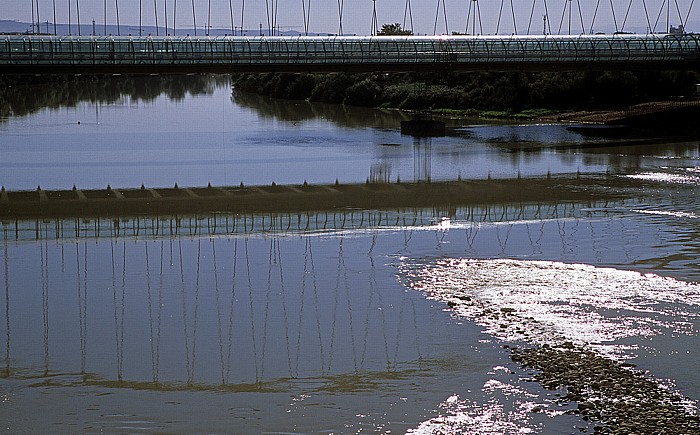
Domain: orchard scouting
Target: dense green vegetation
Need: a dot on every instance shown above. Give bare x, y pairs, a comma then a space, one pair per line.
515, 92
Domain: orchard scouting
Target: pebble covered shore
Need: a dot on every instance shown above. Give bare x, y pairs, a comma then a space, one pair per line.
613, 394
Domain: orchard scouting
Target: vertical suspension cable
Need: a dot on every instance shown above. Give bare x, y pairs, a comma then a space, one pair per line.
194, 18
140, 18
38, 18
77, 3
165, 16
116, 5
70, 20
55, 32
33, 18
242, 16
155, 14
230, 9
174, 17
209, 19
105, 17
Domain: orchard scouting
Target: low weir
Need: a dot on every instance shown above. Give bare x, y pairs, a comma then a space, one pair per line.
295, 198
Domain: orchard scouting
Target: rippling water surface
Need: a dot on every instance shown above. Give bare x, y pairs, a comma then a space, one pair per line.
358, 321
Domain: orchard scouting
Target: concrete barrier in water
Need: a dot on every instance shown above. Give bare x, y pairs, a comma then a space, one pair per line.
287, 198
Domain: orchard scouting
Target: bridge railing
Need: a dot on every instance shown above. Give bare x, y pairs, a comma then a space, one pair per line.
47, 51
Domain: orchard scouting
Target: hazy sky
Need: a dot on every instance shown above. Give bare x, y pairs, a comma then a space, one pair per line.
357, 14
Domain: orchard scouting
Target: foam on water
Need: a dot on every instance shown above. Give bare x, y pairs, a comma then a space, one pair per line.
551, 302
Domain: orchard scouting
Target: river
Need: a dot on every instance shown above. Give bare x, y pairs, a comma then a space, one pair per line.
339, 322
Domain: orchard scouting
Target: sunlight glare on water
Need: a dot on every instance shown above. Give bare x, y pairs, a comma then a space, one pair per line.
543, 301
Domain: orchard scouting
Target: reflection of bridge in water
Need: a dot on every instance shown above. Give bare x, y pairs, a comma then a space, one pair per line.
130, 54
228, 302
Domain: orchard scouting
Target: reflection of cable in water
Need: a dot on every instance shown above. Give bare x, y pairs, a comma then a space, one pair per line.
155, 335
230, 316
284, 305
118, 320
7, 308
346, 284
301, 310
45, 303
252, 316
217, 297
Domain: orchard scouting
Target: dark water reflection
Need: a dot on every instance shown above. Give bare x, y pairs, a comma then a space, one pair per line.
31, 95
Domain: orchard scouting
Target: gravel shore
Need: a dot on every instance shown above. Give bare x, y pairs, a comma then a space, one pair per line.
613, 394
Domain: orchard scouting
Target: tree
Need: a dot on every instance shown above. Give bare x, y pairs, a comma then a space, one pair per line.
393, 29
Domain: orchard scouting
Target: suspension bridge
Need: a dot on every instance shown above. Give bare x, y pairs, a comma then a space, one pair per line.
178, 55
514, 43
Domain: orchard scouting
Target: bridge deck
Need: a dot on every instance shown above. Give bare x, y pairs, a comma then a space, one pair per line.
127, 54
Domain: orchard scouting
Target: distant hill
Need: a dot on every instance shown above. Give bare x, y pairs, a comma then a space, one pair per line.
8, 26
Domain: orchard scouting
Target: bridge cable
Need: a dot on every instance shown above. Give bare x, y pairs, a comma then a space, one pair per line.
306, 11
116, 5
194, 18
375, 27
546, 18
77, 5
155, 14
54, 18
476, 11
580, 15
104, 10
242, 15
33, 18
658, 17
595, 13
689, 9
38, 18
140, 18
629, 6
500, 12
340, 17
512, 10
437, 14
174, 17
230, 9
680, 18
70, 21
208, 32
409, 11
165, 17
